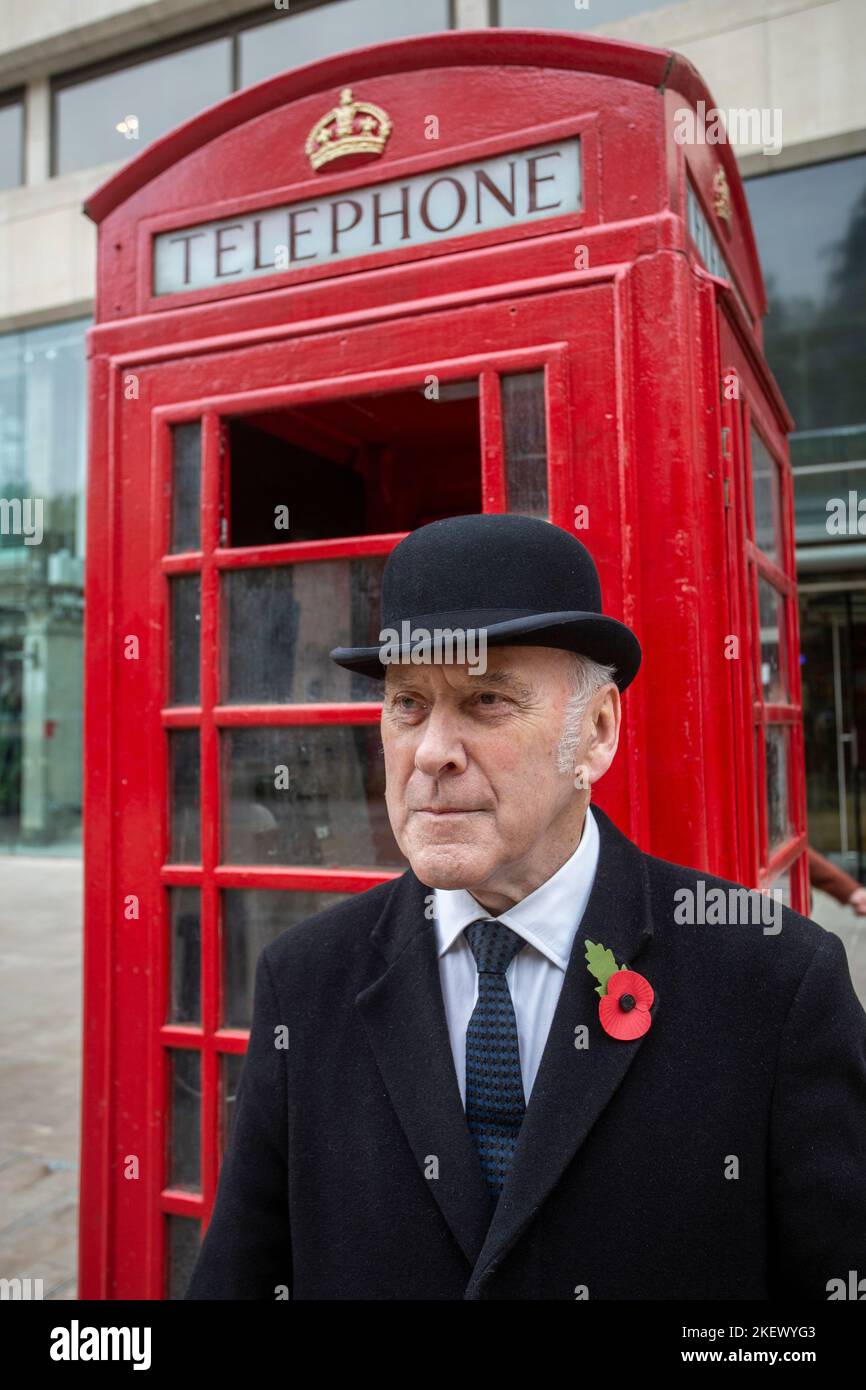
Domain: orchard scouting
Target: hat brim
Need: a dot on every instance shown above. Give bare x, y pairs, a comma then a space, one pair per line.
595, 635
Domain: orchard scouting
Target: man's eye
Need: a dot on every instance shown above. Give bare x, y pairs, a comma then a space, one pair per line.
491, 697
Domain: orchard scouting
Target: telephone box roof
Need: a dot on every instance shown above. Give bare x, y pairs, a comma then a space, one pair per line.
653, 67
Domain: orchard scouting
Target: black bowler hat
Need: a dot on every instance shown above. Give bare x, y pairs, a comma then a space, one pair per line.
523, 580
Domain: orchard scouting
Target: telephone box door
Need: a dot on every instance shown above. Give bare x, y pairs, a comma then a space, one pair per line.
767, 696
261, 490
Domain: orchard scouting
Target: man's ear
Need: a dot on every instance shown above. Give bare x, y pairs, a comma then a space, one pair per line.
606, 716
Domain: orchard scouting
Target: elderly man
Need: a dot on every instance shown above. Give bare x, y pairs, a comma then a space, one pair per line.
520, 1070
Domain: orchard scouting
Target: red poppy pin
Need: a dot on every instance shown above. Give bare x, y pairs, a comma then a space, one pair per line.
625, 996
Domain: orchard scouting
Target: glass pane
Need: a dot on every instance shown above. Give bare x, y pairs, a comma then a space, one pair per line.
765, 487
186, 485
708, 246
185, 961
778, 823
833, 644
182, 1239
280, 624
183, 1137
297, 39
815, 331
524, 435
43, 392
771, 605
306, 795
756, 780
252, 917
231, 1066
184, 796
354, 466
824, 508
568, 14
782, 885
11, 144
114, 116
185, 592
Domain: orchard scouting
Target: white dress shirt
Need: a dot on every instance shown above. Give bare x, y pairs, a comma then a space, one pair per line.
547, 920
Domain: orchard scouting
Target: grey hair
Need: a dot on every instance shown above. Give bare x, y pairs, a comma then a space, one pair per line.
587, 677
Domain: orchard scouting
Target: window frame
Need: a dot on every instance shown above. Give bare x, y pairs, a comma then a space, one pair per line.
216, 1040
787, 714
17, 96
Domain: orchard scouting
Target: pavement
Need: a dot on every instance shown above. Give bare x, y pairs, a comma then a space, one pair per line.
40, 1070
40, 1061
852, 930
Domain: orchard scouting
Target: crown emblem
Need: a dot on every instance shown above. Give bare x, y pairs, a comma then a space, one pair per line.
722, 196
354, 128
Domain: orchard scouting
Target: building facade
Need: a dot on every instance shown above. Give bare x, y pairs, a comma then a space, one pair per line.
84, 87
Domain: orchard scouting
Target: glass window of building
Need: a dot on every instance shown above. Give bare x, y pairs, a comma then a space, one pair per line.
815, 337
42, 475
815, 329
11, 141
301, 38
564, 14
113, 115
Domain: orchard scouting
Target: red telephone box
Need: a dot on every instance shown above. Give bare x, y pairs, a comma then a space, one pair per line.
471, 271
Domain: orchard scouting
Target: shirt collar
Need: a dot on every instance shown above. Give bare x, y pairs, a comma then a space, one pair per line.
547, 918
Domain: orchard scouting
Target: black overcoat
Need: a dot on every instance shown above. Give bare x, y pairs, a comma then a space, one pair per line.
720, 1156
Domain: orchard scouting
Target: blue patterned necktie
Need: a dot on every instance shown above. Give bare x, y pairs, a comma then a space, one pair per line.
495, 1104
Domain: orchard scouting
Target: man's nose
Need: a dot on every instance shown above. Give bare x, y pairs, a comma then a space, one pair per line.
441, 743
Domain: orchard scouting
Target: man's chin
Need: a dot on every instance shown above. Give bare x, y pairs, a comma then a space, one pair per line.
448, 866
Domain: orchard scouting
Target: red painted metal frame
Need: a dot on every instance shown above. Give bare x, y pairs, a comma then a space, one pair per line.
634, 348
759, 410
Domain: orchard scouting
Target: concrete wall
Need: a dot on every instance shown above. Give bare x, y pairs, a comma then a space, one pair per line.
797, 55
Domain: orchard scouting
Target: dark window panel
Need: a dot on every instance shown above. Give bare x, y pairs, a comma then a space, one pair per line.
11, 144
771, 607
332, 814
184, 796
184, 1140
280, 623
185, 590
288, 43
186, 486
765, 491
815, 328
564, 14
524, 434
253, 917
776, 740
185, 955
231, 1066
157, 94
182, 1240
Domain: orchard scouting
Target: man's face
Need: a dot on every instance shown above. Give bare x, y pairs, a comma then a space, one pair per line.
473, 792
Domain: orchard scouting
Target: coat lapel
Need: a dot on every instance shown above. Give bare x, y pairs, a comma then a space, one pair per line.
404, 1017
573, 1085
